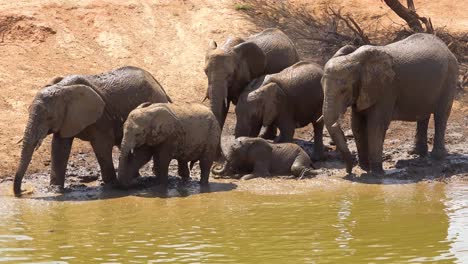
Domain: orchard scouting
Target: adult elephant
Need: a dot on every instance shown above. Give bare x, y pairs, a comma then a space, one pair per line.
232, 66
407, 80
89, 107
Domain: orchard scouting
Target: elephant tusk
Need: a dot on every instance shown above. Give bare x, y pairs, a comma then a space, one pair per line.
335, 125
225, 102
131, 151
320, 119
19, 141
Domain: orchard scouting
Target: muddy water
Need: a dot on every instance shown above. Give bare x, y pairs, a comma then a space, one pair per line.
263, 221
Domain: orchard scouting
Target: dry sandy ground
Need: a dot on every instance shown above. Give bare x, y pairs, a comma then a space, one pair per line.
41, 39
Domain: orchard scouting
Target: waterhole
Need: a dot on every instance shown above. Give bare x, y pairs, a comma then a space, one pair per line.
309, 222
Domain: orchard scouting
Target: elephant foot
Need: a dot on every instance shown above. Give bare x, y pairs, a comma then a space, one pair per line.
439, 154
307, 172
364, 166
317, 156
419, 150
376, 169
248, 177
58, 189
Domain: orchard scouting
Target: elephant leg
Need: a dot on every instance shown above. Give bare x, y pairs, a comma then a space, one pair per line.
440, 125
301, 167
269, 133
318, 141
102, 147
60, 153
141, 156
377, 124
163, 158
359, 127
183, 170
287, 128
205, 167
420, 140
261, 169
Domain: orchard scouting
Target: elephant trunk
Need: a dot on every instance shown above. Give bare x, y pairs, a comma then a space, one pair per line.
331, 116
123, 174
34, 133
218, 100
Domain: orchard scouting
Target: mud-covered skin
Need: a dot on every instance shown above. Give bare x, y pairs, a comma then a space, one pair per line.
185, 132
289, 99
407, 80
232, 66
89, 107
256, 157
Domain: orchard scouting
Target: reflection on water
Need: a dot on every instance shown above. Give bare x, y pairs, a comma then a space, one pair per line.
353, 223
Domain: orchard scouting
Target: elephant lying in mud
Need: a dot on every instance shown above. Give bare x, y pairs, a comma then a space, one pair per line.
289, 99
232, 66
186, 132
256, 157
89, 107
407, 80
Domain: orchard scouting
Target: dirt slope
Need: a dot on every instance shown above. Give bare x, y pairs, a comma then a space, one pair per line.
41, 39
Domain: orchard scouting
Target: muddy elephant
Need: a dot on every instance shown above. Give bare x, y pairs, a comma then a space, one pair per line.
185, 132
288, 100
255, 157
89, 107
407, 80
232, 66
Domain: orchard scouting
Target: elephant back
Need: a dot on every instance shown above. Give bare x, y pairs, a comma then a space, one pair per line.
278, 47
201, 131
127, 87
301, 83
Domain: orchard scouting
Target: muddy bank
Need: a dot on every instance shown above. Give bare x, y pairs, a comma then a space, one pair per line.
83, 181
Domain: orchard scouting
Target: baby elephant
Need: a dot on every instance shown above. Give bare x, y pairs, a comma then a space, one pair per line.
256, 157
289, 99
186, 132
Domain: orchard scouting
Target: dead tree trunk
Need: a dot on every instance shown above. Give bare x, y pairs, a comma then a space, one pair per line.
407, 14
410, 16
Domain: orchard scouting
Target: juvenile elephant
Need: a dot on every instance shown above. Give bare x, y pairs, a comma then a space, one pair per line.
289, 99
407, 80
256, 157
186, 132
90, 107
232, 66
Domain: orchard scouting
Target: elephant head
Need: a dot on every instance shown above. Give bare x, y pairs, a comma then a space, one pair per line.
238, 154
353, 78
62, 109
258, 108
148, 124
229, 70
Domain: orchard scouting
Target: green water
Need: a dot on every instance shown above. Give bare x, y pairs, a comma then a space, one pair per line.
341, 223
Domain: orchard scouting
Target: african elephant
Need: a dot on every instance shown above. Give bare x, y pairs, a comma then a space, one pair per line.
232, 66
407, 80
89, 107
186, 132
289, 99
256, 157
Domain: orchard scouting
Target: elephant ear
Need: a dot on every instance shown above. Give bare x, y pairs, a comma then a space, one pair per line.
376, 75
54, 80
83, 107
258, 149
253, 57
345, 50
268, 97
